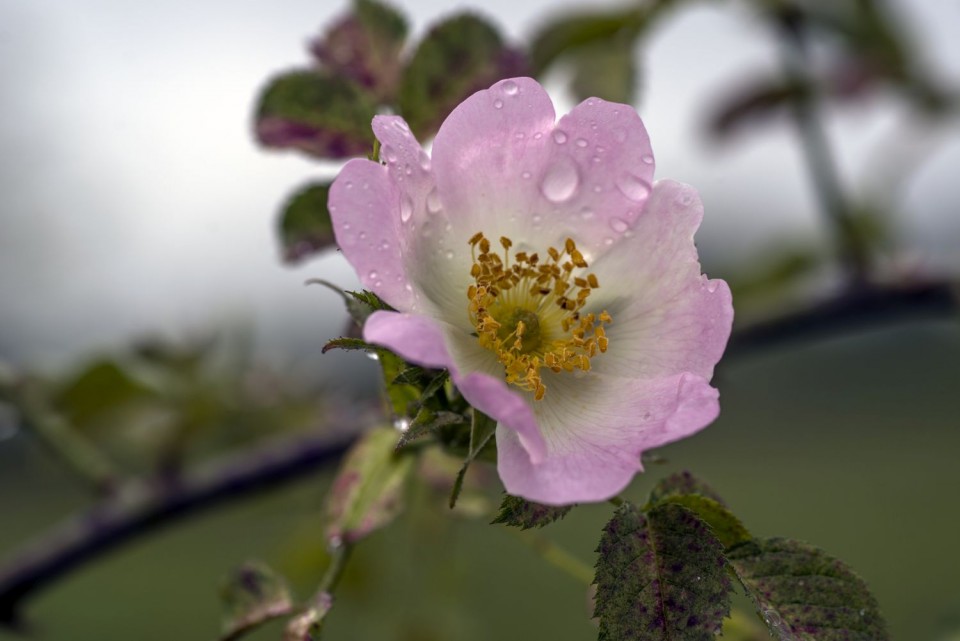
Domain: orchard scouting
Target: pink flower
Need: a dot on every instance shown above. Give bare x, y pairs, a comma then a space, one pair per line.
538, 262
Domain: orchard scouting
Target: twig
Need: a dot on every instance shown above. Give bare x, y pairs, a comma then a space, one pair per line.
854, 309
140, 507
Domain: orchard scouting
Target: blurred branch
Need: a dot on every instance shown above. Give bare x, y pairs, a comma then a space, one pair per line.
853, 309
139, 507
816, 148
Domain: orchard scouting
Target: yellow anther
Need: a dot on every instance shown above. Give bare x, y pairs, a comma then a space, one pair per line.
529, 314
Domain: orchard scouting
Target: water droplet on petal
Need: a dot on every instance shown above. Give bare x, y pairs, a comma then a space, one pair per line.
634, 188
647, 158
406, 209
561, 181
498, 104
597, 189
538, 135
607, 241
586, 213
712, 285
510, 88
401, 125
559, 137
596, 159
363, 235
373, 275
684, 199
526, 175
433, 201
582, 142
389, 153
424, 160
618, 225
449, 254
349, 185
384, 246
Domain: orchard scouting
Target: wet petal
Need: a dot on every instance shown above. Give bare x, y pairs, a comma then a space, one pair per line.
667, 317
596, 428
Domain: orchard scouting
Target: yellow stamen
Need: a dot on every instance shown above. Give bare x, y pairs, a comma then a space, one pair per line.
528, 313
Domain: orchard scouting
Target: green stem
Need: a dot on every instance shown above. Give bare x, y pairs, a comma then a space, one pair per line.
558, 557
816, 148
338, 562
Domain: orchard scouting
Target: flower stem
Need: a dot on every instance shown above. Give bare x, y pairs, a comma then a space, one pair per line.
816, 147
558, 557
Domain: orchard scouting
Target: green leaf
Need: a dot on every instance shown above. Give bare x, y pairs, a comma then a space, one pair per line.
359, 304
427, 421
367, 492
682, 483
456, 58
574, 31
804, 593
365, 46
253, 594
347, 343
101, 387
606, 70
305, 225
728, 529
660, 576
525, 514
482, 431
322, 115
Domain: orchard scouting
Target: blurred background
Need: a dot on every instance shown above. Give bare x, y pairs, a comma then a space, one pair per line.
138, 221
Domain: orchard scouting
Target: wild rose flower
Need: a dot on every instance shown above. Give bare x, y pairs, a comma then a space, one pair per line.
538, 262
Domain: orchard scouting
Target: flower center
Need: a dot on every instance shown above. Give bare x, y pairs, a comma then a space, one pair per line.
528, 312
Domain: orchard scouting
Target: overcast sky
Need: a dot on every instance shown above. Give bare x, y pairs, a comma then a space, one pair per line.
132, 198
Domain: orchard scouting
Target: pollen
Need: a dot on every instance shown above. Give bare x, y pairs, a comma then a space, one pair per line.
530, 312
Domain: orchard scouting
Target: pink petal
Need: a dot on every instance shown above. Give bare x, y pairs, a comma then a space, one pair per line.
596, 428
505, 168
423, 341
364, 204
408, 166
667, 317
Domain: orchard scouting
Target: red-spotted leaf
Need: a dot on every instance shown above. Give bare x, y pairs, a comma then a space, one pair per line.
456, 58
526, 514
317, 113
661, 576
368, 490
804, 594
365, 46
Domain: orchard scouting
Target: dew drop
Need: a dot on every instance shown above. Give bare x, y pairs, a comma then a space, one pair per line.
559, 137
401, 126
618, 225
346, 226
684, 200
634, 188
538, 135
519, 135
582, 142
596, 159
449, 254
510, 88
401, 424
373, 356
712, 285
498, 104
597, 189
537, 218
373, 275
384, 246
363, 235
647, 159
406, 209
433, 201
561, 181
600, 149
586, 213
607, 241
526, 175
349, 185
424, 160
389, 154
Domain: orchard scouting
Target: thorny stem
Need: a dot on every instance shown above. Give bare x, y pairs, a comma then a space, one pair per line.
557, 556
816, 147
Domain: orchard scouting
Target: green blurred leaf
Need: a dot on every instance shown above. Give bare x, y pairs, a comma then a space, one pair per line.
728, 529
574, 31
253, 594
772, 276
760, 101
455, 59
367, 493
605, 69
100, 388
305, 225
660, 576
803, 593
322, 115
365, 46
524, 514
682, 483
